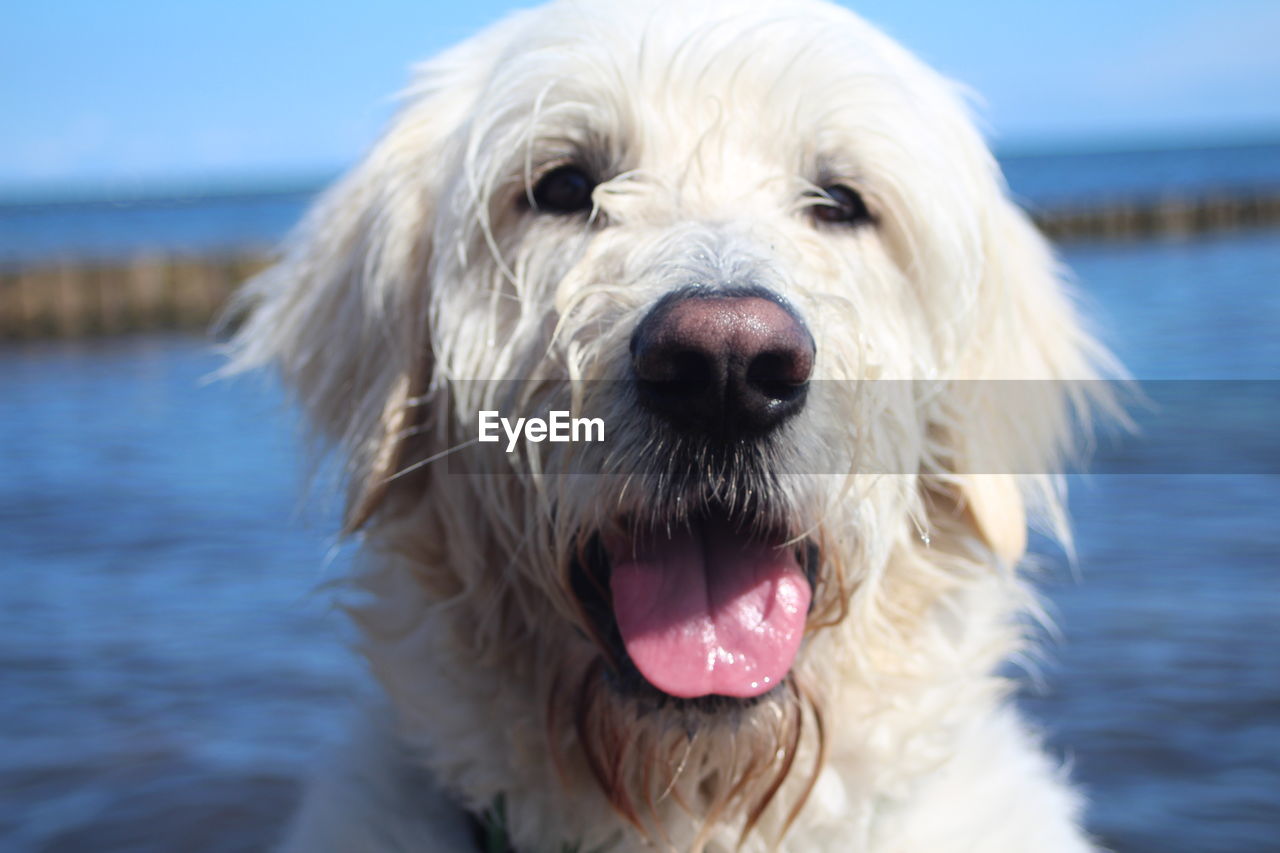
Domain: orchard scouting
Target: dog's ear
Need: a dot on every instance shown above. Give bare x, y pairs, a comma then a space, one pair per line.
344, 314
341, 316
1027, 387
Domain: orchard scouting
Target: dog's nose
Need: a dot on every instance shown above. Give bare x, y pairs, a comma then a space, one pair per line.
722, 364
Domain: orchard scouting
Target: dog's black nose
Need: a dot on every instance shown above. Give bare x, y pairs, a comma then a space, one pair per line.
723, 364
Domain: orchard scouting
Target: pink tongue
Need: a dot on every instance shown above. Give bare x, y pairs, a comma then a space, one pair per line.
708, 610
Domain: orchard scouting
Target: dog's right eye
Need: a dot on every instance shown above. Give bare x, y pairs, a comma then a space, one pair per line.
565, 189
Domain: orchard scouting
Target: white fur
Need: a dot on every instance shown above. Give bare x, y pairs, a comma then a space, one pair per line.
421, 271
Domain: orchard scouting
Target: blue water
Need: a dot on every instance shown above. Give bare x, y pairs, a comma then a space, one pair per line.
1049, 180
166, 665
1165, 691
37, 231
206, 221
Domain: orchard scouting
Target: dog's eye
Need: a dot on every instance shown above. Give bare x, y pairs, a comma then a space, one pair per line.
566, 189
841, 204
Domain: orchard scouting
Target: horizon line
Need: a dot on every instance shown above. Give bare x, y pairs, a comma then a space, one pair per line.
248, 184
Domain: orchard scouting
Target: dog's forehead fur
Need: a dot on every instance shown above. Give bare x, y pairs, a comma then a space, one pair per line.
785, 79
707, 111
710, 127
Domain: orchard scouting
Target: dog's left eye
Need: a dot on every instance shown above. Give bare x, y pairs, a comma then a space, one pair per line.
566, 189
841, 204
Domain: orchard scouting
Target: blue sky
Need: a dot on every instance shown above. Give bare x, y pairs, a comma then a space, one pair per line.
133, 93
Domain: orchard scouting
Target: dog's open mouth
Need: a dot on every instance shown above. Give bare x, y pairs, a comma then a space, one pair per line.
705, 607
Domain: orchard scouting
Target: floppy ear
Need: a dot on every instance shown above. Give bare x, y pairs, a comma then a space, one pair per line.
343, 314
340, 315
1025, 391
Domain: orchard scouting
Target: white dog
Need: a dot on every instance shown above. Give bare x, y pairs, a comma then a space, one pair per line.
768, 611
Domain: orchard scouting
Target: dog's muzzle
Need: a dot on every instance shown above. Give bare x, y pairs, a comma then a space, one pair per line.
722, 363
707, 596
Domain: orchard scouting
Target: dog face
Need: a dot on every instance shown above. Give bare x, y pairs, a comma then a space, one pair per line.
768, 249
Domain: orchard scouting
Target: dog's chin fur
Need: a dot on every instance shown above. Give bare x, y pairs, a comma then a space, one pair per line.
710, 127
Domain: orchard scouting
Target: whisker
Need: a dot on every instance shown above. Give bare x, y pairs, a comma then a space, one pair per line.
435, 457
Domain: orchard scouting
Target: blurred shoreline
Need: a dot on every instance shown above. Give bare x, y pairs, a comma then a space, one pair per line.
132, 259
150, 292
